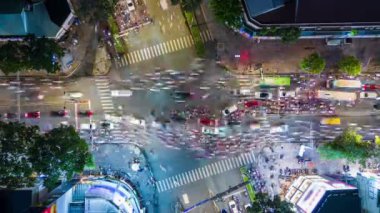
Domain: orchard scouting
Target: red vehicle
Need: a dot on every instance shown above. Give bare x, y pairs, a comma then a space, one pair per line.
253, 103
87, 113
36, 114
208, 121
370, 87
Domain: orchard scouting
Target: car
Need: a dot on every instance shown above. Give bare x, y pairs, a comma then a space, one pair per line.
278, 128
35, 114
106, 125
233, 207
181, 95
367, 87
60, 113
241, 92
229, 110
368, 95
263, 95
87, 113
377, 106
330, 121
252, 103
213, 131
73, 94
87, 126
253, 125
286, 94
208, 121
121, 93
10, 115
135, 121
131, 5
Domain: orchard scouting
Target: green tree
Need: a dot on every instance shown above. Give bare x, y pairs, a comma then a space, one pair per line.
16, 168
61, 151
25, 153
350, 146
32, 53
12, 57
228, 12
95, 10
190, 5
264, 204
313, 64
350, 65
290, 34
40, 54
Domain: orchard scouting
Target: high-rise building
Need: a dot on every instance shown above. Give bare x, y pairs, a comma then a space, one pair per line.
317, 194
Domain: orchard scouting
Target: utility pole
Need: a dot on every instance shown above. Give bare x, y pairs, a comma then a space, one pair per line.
18, 97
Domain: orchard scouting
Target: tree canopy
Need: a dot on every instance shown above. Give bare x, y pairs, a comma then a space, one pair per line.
16, 141
264, 204
288, 35
25, 151
313, 64
350, 65
95, 10
228, 12
350, 146
32, 53
190, 5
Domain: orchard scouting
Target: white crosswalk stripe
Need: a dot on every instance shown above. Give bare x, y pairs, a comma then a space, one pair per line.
204, 171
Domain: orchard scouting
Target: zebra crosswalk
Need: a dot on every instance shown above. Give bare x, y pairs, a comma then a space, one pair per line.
160, 49
104, 92
205, 171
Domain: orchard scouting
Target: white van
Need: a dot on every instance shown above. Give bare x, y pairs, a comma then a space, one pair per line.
121, 93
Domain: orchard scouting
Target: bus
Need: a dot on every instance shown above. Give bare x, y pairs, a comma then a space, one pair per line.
283, 81
336, 95
342, 83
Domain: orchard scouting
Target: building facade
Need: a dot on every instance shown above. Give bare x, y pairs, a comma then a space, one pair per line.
316, 18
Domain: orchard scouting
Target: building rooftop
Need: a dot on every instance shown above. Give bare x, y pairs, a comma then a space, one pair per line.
41, 19
319, 194
11, 6
317, 12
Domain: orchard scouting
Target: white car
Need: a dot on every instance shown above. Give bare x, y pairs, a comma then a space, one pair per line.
131, 5
136, 121
370, 95
286, 94
279, 129
230, 110
263, 95
89, 126
242, 92
220, 131
233, 206
73, 94
121, 93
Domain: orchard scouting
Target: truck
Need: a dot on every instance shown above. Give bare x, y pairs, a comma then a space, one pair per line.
336, 95
344, 83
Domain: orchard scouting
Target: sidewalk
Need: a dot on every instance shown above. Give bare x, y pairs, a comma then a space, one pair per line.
85, 36
118, 162
276, 57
